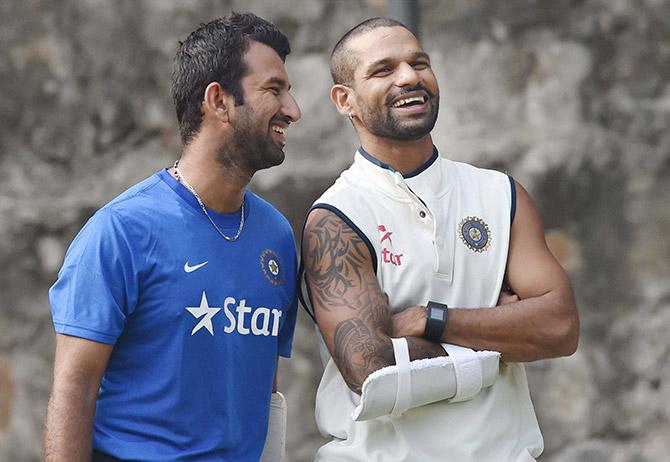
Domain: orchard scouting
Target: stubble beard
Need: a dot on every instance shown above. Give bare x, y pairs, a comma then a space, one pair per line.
250, 148
382, 123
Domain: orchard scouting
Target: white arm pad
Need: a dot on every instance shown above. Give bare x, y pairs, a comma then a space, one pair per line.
432, 380
275, 441
403, 396
468, 372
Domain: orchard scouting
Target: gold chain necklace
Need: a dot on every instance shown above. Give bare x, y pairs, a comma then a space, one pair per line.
181, 179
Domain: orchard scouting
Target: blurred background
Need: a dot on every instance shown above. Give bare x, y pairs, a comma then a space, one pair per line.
571, 97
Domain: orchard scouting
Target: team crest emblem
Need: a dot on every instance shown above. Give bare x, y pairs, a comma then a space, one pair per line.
270, 267
474, 233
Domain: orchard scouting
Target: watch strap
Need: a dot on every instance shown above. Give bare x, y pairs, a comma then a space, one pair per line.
436, 321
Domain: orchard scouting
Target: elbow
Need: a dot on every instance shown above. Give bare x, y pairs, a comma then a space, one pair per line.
564, 345
355, 369
570, 339
355, 385
354, 377
558, 332
566, 333
355, 381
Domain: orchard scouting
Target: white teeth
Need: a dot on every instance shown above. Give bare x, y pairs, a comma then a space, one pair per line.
413, 99
277, 129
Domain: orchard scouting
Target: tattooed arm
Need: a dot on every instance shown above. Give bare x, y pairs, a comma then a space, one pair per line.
350, 307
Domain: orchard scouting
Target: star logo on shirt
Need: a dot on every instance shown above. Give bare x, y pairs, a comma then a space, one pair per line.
205, 312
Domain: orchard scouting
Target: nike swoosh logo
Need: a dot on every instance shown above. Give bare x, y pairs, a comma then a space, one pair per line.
190, 269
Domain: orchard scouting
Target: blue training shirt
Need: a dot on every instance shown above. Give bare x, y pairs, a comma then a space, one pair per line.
196, 321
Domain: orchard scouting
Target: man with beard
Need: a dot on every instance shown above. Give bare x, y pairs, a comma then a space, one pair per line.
405, 259
176, 298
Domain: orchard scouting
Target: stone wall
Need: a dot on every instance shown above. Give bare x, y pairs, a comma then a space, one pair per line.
571, 97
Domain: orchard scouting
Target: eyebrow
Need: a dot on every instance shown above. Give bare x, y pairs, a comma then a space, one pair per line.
277, 81
413, 56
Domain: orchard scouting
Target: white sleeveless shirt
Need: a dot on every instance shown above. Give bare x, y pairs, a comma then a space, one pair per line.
441, 234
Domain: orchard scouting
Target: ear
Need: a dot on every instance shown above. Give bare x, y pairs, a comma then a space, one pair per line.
342, 97
217, 102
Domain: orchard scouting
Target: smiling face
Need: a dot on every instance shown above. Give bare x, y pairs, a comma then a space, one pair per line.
260, 124
395, 93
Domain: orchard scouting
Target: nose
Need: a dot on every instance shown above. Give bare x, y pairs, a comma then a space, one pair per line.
407, 75
290, 108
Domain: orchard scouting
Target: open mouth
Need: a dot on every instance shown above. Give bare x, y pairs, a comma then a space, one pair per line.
279, 134
409, 102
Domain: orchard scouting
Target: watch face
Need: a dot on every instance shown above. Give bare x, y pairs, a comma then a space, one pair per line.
436, 313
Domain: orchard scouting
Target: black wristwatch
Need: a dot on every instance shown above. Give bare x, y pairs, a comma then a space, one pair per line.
436, 321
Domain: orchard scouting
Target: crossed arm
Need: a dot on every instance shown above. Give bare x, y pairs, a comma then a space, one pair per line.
350, 307
352, 312
542, 324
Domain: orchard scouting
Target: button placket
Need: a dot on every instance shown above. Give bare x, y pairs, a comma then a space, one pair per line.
425, 216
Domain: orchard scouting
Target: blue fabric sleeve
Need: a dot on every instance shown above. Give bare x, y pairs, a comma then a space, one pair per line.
285, 340
97, 287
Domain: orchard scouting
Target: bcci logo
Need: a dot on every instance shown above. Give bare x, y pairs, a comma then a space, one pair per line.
474, 233
270, 267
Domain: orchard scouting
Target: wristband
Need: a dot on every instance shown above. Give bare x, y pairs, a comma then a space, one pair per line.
436, 321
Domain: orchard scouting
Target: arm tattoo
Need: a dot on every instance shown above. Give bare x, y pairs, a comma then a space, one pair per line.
334, 258
358, 352
340, 277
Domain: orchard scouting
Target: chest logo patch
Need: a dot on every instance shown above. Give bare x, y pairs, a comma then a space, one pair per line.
386, 235
388, 255
270, 267
475, 234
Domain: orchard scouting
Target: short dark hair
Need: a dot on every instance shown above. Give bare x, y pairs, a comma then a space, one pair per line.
214, 53
342, 61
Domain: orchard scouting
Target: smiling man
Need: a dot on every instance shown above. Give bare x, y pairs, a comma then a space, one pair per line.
176, 298
405, 259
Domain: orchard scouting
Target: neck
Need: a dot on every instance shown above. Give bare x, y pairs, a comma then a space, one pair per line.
404, 156
220, 188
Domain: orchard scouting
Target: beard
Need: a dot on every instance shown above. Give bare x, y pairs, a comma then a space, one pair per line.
382, 122
250, 148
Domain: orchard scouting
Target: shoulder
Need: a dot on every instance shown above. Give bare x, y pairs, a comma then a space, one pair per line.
468, 170
144, 206
349, 184
145, 194
484, 179
268, 214
125, 215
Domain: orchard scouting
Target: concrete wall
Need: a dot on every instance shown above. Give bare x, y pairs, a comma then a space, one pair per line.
571, 97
